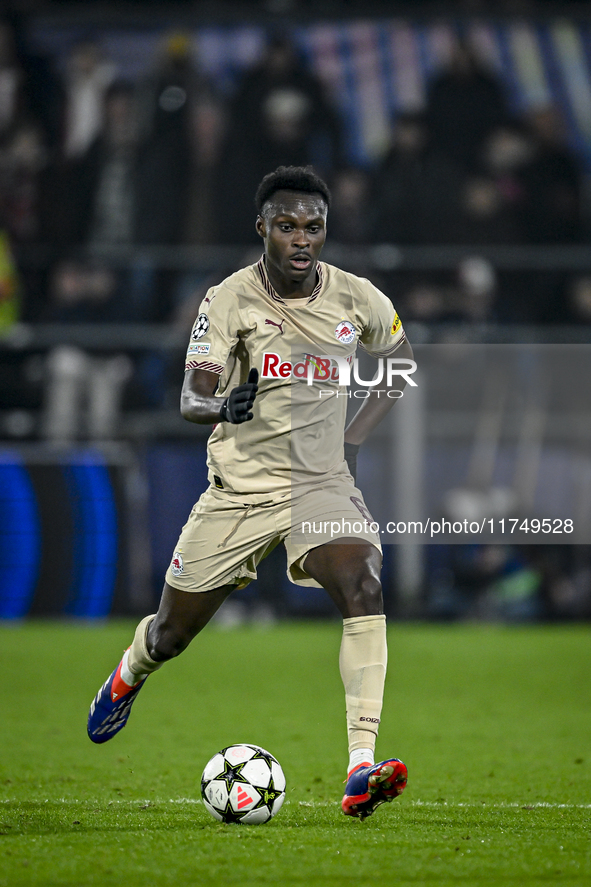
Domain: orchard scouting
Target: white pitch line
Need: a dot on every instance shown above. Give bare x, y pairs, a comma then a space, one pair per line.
152, 802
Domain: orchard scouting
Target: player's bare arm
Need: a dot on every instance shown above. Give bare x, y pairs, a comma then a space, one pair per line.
199, 404
375, 407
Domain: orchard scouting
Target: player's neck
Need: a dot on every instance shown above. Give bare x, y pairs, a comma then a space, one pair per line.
292, 289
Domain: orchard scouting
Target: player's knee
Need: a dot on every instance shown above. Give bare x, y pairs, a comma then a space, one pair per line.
365, 596
164, 642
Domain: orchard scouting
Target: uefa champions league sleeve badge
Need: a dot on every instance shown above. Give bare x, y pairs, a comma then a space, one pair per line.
201, 326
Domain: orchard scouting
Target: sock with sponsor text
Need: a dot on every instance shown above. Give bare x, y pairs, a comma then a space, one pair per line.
362, 661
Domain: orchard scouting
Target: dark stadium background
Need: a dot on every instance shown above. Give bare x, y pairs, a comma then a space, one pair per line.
132, 136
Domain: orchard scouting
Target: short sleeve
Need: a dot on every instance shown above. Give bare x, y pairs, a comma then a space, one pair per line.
383, 332
214, 333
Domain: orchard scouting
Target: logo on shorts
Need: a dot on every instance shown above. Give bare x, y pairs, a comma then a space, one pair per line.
201, 326
176, 565
345, 332
362, 508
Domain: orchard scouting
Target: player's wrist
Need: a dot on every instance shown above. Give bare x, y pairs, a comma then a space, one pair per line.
224, 411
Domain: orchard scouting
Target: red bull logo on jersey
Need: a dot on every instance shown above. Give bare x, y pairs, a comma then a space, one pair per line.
336, 368
312, 368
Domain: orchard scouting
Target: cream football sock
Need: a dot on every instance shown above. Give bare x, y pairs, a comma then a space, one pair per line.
363, 660
137, 662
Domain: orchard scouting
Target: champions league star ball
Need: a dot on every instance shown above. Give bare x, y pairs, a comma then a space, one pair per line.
243, 783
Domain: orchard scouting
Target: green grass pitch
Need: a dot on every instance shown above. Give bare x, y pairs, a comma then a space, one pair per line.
493, 722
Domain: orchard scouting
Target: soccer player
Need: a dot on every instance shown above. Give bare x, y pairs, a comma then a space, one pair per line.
263, 367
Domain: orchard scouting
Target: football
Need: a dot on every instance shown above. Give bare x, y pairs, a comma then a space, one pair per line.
243, 783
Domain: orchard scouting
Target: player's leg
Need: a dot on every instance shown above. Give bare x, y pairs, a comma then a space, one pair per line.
349, 570
218, 550
180, 617
350, 573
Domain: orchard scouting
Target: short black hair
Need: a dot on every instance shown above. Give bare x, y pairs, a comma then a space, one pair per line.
291, 178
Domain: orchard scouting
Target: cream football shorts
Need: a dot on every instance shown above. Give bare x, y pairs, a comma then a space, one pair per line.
228, 535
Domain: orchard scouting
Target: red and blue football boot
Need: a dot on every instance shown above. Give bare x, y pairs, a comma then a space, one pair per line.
111, 707
370, 785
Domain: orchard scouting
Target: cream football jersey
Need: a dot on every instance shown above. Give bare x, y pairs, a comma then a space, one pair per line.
297, 345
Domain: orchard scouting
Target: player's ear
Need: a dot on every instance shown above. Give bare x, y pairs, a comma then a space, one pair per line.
260, 226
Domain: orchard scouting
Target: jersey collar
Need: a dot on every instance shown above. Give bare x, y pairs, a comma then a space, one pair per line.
261, 265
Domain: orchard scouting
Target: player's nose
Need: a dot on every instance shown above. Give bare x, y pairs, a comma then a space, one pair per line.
300, 237
300, 245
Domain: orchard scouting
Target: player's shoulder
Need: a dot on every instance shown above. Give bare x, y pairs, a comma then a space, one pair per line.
361, 287
233, 288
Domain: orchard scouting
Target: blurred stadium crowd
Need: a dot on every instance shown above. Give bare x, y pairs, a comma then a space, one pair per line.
100, 170
90, 159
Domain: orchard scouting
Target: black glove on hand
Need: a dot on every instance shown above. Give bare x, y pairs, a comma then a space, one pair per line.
351, 451
236, 408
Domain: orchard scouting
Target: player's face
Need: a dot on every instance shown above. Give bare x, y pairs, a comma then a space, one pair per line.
293, 226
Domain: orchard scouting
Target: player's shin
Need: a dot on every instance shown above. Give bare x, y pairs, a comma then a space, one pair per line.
363, 660
138, 663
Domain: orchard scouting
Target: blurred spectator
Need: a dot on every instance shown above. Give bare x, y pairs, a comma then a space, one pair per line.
279, 116
572, 302
173, 87
420, 194
566, 571
349, 212
105, 177
174, 102
579, 300
9, 285
83, 392
489, 582
469, 295
478, 205
22, 148
484, 215
397, 187
477, 285
465, 102
91, 199
206, 128
23, 158
87, 77
12, 81
37, 90
81, 292
506, 151
552, 181
122, 192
